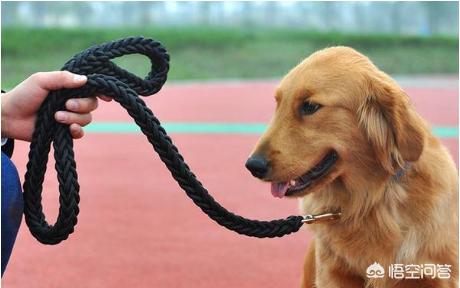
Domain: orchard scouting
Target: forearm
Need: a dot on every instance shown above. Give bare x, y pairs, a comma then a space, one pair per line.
5, 133
13, 125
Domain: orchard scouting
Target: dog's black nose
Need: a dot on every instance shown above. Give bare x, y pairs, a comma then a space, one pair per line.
258, 166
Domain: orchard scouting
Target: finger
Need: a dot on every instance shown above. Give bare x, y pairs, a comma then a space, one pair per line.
56, 80
105, 98
82, 105
66, 117
76, 131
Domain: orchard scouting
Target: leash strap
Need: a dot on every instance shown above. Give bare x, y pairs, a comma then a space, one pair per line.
105, 77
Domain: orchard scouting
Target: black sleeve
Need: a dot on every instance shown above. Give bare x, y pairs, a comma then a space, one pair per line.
8, 147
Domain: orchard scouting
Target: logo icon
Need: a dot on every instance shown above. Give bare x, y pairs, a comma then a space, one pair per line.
375, 270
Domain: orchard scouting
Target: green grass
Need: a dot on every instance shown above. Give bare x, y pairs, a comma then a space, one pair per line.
216, 53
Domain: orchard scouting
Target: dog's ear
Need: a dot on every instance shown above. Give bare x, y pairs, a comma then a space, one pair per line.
394, 130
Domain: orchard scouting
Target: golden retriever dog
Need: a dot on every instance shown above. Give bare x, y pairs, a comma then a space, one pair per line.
344, 137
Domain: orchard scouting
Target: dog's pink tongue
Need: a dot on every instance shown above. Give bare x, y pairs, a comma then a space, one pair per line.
279, 189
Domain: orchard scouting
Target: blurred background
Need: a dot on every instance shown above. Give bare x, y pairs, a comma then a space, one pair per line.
215, 40
136, 228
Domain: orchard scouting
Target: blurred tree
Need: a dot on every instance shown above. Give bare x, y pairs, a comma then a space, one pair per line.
205, 12
9, 12
83, 9
396, 17
145, 12
438, 13
433, 12
38, 12
369, 17
245, 17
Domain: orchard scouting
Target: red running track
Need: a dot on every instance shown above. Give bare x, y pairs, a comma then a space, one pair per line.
137, 228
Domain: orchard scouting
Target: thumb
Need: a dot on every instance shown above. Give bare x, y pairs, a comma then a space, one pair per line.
56, 80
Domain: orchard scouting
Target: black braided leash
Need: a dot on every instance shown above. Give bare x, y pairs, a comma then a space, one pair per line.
105, 77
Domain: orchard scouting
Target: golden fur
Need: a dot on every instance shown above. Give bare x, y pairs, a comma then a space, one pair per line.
367, 118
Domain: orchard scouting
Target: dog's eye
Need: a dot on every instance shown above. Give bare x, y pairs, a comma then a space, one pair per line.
308, 108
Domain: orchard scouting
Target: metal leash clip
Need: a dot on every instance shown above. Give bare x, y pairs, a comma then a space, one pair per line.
325, 217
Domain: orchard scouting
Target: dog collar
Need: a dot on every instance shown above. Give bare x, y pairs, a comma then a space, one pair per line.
402, 171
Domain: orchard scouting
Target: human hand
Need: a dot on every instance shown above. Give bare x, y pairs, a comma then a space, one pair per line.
20, 105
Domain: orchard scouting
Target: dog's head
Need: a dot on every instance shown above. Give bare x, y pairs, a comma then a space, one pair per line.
337, 116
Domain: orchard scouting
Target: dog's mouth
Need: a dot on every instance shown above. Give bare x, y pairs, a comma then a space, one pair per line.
298, 185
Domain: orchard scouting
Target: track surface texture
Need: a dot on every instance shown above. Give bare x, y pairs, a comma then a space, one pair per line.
137, 228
